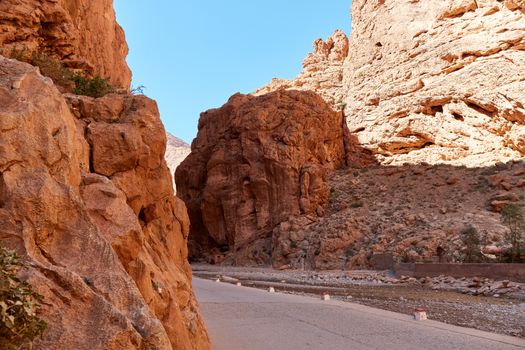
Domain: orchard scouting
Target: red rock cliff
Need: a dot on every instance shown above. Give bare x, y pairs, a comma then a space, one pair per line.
86, 197
255, 162
82, 34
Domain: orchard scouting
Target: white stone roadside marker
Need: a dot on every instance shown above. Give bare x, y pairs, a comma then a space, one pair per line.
271, 290
218, 280
420, 314
239, 284
326, 297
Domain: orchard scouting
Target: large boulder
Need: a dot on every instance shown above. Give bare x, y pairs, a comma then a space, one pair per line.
255, 162
86, 198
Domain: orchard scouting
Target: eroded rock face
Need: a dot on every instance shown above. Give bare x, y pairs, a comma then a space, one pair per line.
322, 71
82, 34
176, 151
86, 198
255, 162
439, 82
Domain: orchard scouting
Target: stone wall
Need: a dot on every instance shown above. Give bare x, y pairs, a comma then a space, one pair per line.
513, 272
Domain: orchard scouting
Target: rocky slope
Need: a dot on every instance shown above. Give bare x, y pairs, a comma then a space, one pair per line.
255, 162
432, 96
86, 196
176, 151
82, 34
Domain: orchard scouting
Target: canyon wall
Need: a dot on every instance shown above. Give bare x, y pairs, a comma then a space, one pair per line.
86, 196
82, 34
431, 92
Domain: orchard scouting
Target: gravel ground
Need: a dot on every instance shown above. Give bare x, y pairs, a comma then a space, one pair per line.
446, 299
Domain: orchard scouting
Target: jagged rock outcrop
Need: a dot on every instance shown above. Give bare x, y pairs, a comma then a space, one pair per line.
255, 162
439, 82
322, 71
82, 34
176, 151
86, 198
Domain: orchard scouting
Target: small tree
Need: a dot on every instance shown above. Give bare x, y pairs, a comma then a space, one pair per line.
512, 217
19, 305
471, 241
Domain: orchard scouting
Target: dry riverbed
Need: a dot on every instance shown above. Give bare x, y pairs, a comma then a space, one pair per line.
494, 306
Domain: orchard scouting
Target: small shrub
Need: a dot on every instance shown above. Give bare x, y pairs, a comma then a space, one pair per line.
356, 205
19, 306
139, 90
293, 245
94, 87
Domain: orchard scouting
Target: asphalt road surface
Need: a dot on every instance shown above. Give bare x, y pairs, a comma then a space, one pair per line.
242, 318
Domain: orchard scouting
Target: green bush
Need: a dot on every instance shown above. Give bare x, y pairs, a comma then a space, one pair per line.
19, 306
94, 87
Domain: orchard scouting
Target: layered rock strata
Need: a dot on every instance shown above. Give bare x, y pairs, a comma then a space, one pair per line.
86, 198
255, 162
439, 82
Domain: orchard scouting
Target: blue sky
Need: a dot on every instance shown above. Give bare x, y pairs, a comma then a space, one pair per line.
193, 55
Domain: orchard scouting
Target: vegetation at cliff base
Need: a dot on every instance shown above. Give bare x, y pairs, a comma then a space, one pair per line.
19, 306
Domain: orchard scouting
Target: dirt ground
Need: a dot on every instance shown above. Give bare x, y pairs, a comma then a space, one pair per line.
504, 314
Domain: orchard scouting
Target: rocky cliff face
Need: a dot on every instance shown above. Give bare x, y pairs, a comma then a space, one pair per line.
82, 34
255, 162
86, 198
432, 96
176, 151
437, 81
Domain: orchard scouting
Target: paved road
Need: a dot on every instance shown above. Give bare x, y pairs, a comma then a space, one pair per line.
242, 318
